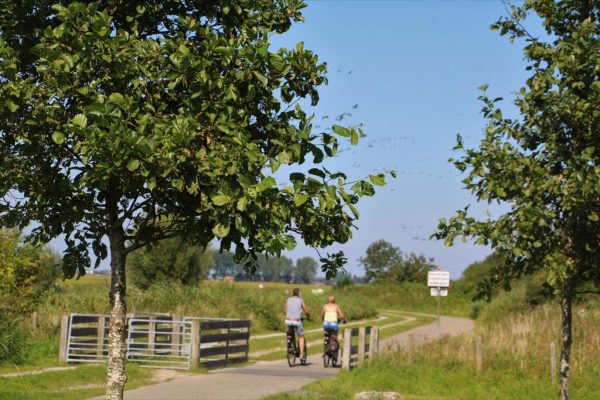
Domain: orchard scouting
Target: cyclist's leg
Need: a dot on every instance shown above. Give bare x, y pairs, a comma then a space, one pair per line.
300, 332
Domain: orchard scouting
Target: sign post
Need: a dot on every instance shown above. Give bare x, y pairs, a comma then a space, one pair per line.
438, 282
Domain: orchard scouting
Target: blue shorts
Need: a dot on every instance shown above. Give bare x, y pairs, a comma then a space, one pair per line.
330, 326
297, 324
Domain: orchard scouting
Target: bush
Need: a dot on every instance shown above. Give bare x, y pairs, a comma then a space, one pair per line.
14, 338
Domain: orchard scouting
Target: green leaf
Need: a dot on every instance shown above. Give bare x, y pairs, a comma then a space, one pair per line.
220, 230
300, 199
317, 172
132, 165
242, 203
340, 130
80, 120
221, 200
378, 180
117, 98
354, 211
12, 106
354, 137
251, 92
263, 79
58, 137
593, 217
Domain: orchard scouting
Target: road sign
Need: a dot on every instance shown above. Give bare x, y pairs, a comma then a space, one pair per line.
438, 279
441, 292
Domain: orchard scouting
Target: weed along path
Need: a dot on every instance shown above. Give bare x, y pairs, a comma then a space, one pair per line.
264, 378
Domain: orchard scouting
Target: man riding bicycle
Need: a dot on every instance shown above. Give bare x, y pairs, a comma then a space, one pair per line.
293, 317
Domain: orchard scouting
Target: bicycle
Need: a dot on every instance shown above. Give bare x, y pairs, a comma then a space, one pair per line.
331, 348
293, 347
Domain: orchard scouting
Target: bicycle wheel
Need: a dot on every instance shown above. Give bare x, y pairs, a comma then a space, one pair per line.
291, 353
303, 361
334, 361
326, 359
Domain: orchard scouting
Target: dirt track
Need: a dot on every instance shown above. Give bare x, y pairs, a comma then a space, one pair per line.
265, 378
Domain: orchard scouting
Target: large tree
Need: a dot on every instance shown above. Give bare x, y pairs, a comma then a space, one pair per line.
545, 164
128, 122
306, 269
381, 256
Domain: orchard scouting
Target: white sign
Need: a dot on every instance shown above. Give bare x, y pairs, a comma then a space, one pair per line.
438, 279
441, 292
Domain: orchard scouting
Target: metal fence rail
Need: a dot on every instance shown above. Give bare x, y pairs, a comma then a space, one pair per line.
159, 342
87, 339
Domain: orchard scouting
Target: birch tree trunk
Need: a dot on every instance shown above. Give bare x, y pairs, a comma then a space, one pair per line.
566, 340
117, 349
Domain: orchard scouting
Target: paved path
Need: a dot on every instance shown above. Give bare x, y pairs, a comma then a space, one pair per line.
265, 378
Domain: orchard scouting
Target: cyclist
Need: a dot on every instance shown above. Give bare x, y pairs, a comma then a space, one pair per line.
331, 314
293, 317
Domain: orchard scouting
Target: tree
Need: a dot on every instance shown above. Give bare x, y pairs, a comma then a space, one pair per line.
118, 114
545, 164
482, 277
385, 262
411, 268
306, 269
169, 260
381, 256
275, 269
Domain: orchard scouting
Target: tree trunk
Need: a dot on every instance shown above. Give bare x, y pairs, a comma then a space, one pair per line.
566, 340
117, 350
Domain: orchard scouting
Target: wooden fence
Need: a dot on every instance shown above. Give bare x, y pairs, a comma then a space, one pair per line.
158, 340
359, 345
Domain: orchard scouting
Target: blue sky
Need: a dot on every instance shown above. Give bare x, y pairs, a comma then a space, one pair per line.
414, 68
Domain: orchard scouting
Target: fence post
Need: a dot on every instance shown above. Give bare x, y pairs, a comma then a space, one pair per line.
195, 351
362, 338
100, 341
553, 363
64, 334
478, 355
410, 347
374, 342
175, 334
347, 349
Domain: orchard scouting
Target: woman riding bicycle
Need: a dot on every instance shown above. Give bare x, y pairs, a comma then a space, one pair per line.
331, 314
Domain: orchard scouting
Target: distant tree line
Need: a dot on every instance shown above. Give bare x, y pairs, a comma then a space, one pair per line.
177, 261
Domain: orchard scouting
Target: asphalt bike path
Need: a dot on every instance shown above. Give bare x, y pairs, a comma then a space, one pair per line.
264, 378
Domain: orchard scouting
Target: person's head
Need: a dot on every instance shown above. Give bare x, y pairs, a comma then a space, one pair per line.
296, 292
331, 299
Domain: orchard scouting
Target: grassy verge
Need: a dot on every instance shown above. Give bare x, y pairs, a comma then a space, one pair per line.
82, 382
516, 363
434, 380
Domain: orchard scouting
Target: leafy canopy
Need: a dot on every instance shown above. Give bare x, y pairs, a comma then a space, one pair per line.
116, 114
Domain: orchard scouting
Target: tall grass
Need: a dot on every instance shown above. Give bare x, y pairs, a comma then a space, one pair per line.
412, 296
516, 361
247, 300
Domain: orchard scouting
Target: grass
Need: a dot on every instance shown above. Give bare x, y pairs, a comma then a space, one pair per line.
516, 361
246, 300
82, 382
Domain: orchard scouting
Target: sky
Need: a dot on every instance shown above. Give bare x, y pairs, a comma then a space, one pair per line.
409, 72
414, 69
